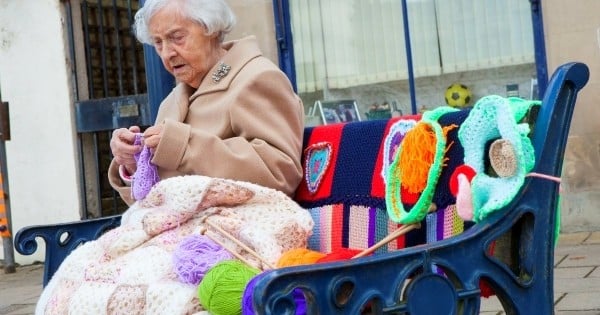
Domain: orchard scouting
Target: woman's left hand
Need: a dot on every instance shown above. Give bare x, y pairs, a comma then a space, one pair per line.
152, 136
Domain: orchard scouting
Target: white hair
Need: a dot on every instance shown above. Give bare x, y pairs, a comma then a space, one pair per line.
215, 15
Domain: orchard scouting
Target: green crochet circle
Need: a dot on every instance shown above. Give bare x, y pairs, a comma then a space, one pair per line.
393, 196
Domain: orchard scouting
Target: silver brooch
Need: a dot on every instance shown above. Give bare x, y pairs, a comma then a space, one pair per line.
221, 72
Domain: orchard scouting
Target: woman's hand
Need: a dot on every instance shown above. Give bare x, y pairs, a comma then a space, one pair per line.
152, 136
123, 149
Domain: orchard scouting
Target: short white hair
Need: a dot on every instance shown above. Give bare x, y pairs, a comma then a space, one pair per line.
215, 15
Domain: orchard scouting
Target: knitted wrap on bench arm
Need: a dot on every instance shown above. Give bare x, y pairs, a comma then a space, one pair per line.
494, 117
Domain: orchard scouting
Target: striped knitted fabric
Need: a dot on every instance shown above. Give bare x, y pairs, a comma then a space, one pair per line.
443, 224
362, 228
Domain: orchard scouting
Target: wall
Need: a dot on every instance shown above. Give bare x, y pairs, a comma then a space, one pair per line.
255, 17
41, 155
572, 30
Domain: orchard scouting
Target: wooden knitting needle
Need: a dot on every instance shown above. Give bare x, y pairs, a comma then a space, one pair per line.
403, 230
207, 233
238, 242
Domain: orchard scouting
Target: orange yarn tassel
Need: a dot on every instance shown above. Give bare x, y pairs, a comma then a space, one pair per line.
418, 151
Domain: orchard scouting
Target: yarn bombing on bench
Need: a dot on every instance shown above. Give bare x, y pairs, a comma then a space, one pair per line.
146, 174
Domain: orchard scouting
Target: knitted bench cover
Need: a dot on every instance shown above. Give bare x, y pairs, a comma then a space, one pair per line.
347, 173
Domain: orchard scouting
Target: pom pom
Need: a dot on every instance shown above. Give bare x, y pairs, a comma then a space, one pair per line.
220, 291
195, 255
248, 309
299, 256
464, 169
340, 254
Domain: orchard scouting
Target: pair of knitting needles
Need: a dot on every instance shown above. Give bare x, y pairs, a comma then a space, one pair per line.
204, 231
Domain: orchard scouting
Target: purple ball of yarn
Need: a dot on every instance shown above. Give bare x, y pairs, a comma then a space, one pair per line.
248, 309
195, 255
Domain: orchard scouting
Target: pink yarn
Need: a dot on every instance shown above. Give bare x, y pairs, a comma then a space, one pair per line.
464, 201
146, 174
195, 255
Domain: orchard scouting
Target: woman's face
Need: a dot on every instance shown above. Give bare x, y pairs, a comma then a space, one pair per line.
183, 46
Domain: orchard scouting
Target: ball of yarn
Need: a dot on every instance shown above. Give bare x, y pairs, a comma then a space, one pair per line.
195, 255
298, 256
248, 309
221, 290
340, 254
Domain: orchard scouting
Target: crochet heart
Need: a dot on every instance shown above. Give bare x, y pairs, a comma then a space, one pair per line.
318, 156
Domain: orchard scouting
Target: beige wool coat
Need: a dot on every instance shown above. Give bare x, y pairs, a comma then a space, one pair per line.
248, 126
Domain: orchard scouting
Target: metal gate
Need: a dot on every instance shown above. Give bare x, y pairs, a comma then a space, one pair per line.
107, 68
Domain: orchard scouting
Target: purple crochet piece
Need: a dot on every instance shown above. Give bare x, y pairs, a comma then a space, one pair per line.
146, 174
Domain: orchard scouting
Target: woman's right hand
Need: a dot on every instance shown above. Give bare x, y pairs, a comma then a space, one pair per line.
123, 149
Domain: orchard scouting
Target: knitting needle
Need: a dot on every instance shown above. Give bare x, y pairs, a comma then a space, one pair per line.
239, 243
403, 230
207, 233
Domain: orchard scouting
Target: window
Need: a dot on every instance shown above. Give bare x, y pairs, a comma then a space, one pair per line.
345, 43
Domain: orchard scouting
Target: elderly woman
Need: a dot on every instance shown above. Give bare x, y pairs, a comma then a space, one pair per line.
233, 113
233, 126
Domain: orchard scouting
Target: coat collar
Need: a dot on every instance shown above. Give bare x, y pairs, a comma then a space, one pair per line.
239, 53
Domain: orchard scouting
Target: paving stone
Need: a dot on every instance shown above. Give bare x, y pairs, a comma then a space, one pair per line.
578, 286
491, 305
580, 302
594, 238
595, 273
21, 309
579, 256
571, 273
567, 239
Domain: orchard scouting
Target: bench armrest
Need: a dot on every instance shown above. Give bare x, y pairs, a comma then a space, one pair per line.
61, 239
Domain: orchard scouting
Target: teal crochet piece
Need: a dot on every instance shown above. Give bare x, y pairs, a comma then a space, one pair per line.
495, 117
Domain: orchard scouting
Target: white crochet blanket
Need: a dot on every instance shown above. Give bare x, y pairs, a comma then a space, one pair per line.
129, 270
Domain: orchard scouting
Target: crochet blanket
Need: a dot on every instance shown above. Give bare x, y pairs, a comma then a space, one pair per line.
129, 270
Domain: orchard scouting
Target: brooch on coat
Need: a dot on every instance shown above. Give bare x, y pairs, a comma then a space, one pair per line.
221, 72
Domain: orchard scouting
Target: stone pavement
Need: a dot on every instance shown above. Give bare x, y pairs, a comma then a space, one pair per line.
576, 281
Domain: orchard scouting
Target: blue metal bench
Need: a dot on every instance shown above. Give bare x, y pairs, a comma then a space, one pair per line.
436, 278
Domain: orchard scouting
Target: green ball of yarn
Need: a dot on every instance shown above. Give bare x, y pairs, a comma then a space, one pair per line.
222, 288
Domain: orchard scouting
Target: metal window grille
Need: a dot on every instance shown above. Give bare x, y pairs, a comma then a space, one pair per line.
109, 86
